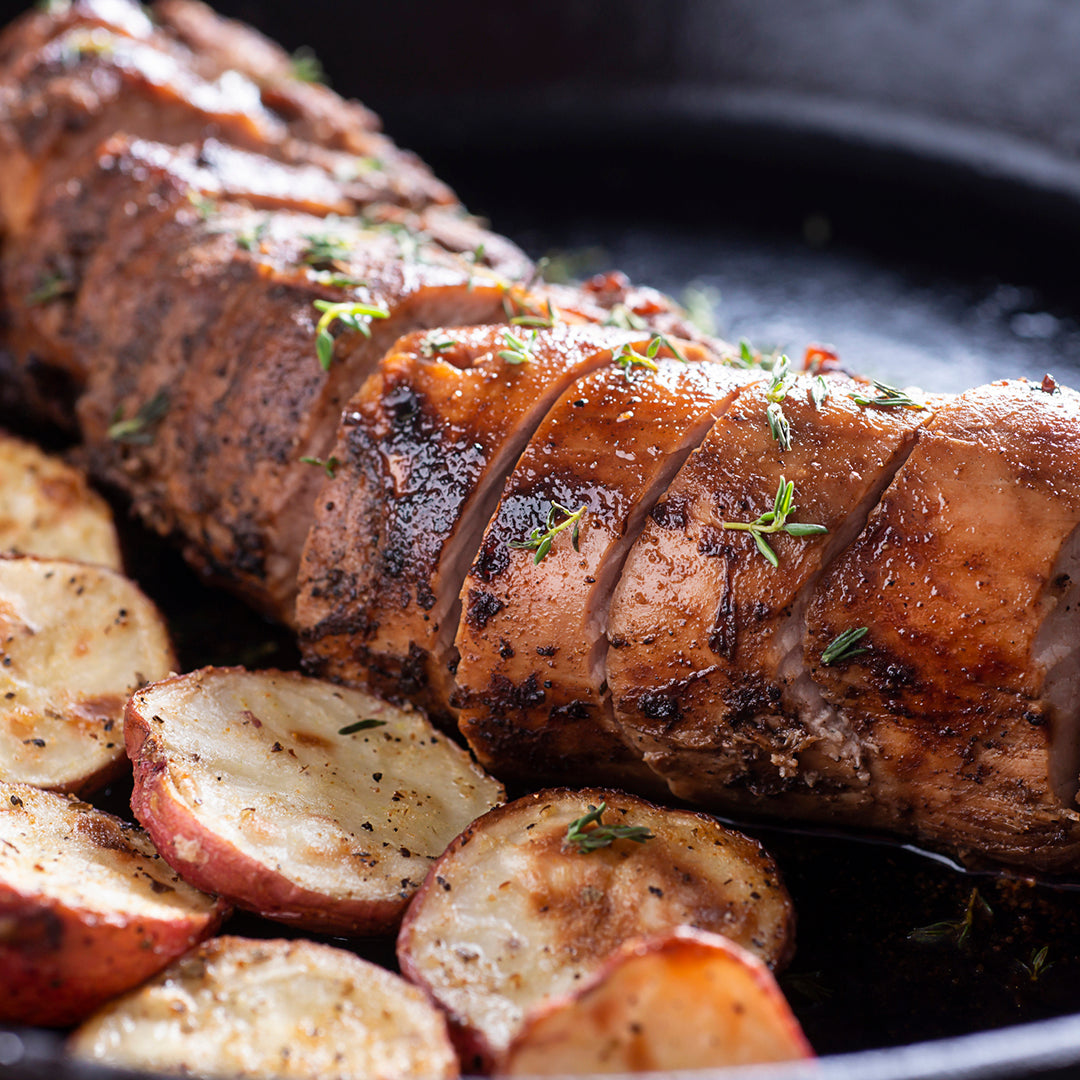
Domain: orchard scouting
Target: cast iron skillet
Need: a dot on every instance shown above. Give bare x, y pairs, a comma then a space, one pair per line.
896, 178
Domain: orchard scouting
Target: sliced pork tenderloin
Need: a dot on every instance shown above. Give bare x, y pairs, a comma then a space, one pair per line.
422, 456
703, 626
966, 577
531, 678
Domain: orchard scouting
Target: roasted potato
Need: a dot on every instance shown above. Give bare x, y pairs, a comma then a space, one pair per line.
87, 908
689, 1000
233, 1007
518, 910
75, 640
295, 798
48, 509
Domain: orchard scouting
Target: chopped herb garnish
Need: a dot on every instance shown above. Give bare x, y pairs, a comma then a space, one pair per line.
306, 66
842, 647
589, 833
251, 239
352, 315
476, 256
819, 391
701, 302
1037, 966
622, 317
540, 540
205, 207
544, 322
50, 288
434, 343
775, 520
360, 725
775, 393
517, 351
323, 251
329, 464
887, 397
627, 359
139, 428
955, 930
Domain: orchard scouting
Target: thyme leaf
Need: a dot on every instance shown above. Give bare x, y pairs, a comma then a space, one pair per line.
352, 315
842, 647
360, 725
625, 319
887, 397
819, 391
517, 351
306, 66
543, 322
588, 833
434, 343
323, 251
50, 287
540, 540
139, 428
1037, 966
329, 464
776, 520
775, 393
957, 930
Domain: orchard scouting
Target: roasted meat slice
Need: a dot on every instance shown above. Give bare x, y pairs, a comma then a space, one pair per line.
423, 453
963, 708
531, 683
705, 632
86, 84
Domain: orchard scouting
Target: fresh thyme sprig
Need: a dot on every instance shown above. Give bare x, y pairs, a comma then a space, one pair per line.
819, 391
842, 647
588, 833
517, 351
776, 520
1037, 965
324, 251
540, 540
50, 288
434, 343
360, 725
329, 464
139, 428
957, 930
775, 393
625, 319
629, 359
306, 66
542, 322
352, 315
887, 397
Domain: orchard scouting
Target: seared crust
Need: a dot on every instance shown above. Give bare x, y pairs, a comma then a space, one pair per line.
967, 742
422, 455
531, 681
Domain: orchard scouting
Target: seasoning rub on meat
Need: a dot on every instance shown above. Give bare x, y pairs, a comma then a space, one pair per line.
610, 549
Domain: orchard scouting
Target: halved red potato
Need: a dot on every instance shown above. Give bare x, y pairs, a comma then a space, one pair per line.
87, 908
290, 1009
689, 1000
75, 642
47, 508
295, 798
516, 911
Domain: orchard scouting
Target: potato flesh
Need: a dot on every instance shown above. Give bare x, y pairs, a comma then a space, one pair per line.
258, 758
76, 641
272, 1008
47, 509
57, 851
510, 915
691, 1001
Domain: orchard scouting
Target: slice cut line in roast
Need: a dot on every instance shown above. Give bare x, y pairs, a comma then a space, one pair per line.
532, 640
703, 628
425, 449
299, 800
966, 688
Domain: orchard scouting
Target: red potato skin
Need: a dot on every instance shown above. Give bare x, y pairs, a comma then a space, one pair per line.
216, 866
691, 938
59, 963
